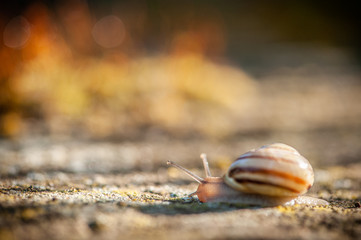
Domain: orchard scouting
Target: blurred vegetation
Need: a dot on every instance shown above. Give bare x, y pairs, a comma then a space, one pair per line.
122, 69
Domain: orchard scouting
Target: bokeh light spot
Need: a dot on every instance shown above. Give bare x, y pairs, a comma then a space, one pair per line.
109, 32
17, 32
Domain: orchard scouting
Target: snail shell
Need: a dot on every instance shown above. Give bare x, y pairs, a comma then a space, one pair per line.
276, 170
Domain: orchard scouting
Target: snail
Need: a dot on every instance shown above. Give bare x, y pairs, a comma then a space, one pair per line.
275, 174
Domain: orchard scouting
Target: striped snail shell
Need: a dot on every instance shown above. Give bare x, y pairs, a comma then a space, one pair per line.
275, 170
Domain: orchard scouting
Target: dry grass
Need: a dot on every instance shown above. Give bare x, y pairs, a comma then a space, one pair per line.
176, 93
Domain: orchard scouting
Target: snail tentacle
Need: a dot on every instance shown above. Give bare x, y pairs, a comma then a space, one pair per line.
206, 165
186, 171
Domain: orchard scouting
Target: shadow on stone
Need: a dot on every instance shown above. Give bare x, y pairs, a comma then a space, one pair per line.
190, 208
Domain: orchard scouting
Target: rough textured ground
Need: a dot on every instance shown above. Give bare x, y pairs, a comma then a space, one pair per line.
103, 190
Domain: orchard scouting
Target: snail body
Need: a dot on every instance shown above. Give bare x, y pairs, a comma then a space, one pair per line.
275, 174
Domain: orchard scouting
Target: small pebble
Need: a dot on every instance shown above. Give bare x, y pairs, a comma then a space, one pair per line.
187, 199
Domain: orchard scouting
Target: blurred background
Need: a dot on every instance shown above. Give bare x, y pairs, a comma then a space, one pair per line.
152, 70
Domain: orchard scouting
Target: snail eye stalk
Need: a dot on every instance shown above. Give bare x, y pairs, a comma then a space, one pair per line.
206, 165
186, 171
